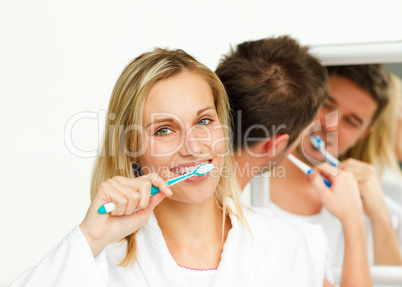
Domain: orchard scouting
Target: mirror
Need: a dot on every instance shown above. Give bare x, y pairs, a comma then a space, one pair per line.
388, 53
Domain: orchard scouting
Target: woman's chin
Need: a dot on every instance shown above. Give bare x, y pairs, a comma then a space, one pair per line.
193, 192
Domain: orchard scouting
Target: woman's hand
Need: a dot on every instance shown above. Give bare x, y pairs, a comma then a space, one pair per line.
342, 199
133, 208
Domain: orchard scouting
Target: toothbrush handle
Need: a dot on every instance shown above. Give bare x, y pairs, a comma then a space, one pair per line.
326, 182
332, 160
154, 190
329, 157
110, 206
179, 179
107, 208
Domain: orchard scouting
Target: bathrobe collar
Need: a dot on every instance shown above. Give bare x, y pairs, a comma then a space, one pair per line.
160, 269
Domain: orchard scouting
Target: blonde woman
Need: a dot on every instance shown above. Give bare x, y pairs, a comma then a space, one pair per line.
379, 146
389, 132
168, 113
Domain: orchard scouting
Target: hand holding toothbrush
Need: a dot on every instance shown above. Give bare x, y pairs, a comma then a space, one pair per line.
134, 204
129, 201
343, 198
369, 187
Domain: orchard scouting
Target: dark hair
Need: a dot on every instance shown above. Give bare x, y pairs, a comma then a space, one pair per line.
271, 83
373, 78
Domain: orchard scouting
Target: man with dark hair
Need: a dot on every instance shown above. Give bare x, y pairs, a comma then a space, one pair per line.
275, 88
357, 96
274, 71
278, 74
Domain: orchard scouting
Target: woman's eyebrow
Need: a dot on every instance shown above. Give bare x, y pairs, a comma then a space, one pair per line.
205, 109
163, 120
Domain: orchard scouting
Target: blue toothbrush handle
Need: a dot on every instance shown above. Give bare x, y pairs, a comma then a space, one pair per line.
327, 183
109, 207
154, 190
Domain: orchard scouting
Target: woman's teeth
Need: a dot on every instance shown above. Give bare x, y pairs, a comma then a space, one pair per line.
187, 169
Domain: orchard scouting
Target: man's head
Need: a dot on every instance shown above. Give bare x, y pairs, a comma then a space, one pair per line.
275, 88
357, 96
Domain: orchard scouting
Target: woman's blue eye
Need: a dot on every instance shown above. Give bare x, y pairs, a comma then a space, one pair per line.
204, 122
163, 131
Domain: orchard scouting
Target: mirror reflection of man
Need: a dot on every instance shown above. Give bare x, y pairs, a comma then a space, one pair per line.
357, 96
275, 88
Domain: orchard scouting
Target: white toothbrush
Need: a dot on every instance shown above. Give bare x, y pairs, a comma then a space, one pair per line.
319, 144
304, 167
200, 170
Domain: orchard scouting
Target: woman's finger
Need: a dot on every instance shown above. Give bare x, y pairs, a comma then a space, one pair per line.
133, 196
160, 183
153, 178
145, 194
153, 202
107, 192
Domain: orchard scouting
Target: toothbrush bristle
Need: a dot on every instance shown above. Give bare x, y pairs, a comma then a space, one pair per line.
205, 168
317, 142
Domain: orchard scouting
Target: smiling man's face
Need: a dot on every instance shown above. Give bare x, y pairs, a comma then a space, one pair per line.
344, 118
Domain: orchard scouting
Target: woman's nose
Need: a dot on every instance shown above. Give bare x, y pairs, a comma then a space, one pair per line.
194, 144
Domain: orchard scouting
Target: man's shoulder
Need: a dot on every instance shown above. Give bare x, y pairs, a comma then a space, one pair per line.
266, 224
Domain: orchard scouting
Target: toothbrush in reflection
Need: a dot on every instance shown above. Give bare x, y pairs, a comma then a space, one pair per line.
319, 144
305, 168
200, 170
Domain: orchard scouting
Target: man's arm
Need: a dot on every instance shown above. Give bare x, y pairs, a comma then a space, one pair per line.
343, 201
385, 241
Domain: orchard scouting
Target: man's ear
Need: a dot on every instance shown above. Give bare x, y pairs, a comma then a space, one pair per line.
275, 145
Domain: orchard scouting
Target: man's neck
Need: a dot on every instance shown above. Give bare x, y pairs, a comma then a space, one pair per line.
293, 192
243, 168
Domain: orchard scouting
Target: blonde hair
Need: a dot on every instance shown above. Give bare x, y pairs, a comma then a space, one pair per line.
378, 148
119, 149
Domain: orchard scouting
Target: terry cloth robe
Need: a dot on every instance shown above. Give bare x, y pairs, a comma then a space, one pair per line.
334, 231
274, 254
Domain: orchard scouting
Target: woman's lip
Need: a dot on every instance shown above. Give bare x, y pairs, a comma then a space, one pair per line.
197, 178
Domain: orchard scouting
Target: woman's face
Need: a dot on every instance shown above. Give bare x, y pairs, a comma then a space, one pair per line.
182, 131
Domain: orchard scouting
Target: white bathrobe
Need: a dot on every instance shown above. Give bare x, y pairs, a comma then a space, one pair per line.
334, 231
274, 254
